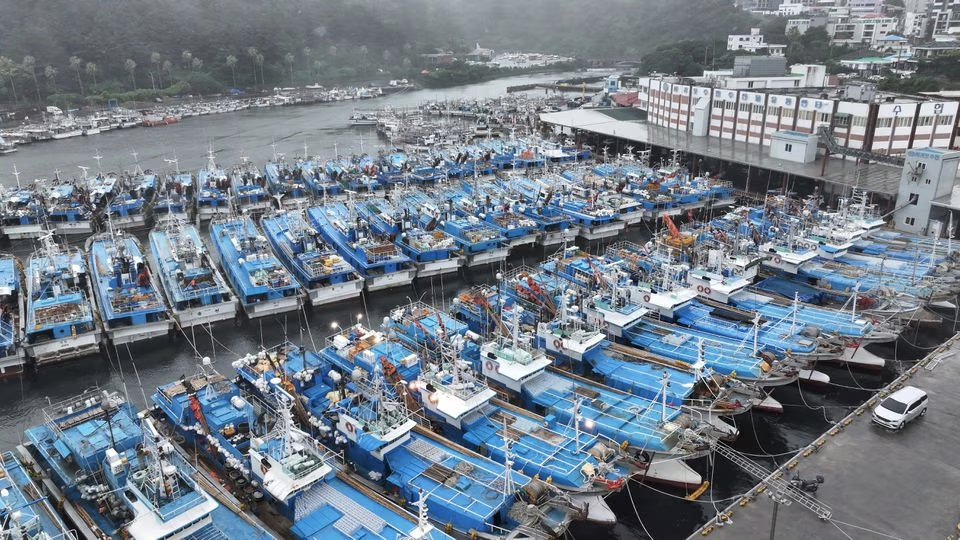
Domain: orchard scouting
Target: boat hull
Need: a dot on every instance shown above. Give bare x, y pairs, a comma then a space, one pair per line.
488, 257
435, 268
271, 307
12, 365
400, 278
552, 238
74, 227
597, 232
206, 213
525, 240
336, 292
206, 314
20, 232
129, 222
121, 335
60, 350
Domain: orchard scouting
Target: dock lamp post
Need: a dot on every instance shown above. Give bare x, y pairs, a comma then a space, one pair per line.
777, 499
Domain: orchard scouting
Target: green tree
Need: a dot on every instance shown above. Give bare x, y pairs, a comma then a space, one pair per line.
92, 69
50, 73
9, 70
232, 64
131, 67
253, 53
288, 59
76, 62
30, 66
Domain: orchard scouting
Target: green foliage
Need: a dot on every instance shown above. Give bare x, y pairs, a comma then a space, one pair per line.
303, 41
912, 85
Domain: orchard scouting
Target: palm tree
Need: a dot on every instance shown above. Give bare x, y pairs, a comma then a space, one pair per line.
50, 73
288, 58
232, 64
9, 70
168, 68
131, 67
197, 63
91, 70
187, 58
260, 63
30, 65
252, 52
307, 53
155, 61
75, 63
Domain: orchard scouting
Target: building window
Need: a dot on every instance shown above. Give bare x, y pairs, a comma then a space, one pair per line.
744, 107
927, 181
787, 113
884, 122
805, 115
750, 84
904, 121
924, 121
730, 105
859, 121
914, 198
788, 147
909, 221
823, 117
773, 111
758, 109
944, 119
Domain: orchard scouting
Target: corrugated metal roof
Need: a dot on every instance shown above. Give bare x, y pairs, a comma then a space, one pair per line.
875, 177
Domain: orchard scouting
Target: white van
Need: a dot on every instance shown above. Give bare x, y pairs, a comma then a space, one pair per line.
901, 407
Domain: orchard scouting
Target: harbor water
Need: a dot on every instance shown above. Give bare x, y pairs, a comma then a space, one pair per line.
643, 511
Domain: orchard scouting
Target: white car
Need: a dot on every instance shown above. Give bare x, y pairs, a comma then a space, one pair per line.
901, 407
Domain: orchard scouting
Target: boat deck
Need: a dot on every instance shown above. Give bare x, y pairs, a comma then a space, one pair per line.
902, 484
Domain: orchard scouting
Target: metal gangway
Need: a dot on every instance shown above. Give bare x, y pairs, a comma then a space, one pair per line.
774, 481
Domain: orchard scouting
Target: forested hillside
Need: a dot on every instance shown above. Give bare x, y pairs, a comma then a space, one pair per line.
93, 47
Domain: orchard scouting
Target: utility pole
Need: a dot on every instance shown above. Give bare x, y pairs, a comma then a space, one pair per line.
777, 499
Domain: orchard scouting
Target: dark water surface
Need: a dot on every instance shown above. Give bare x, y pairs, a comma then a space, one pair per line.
142, 367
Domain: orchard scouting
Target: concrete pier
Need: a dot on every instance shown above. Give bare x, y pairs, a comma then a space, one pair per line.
878, 484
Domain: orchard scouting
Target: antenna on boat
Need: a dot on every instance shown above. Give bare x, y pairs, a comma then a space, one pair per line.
98, 157
756, 330
508, 486
273, 145
84, 169
16, 174
176, 163
423, 520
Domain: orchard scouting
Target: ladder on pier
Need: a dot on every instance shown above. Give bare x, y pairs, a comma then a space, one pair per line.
782, 486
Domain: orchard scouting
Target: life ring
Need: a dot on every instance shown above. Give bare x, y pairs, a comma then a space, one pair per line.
489, 365
699, 288
557, 344
777, 259
706, 290
350, 427
646, 298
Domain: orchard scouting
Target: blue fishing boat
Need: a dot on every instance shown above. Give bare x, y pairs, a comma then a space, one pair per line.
462, 407
24, 514
384, 444
262, 283
68, 209
381, 263
321, 271
191, 281
212, 190
132, 207
127, 295
60, 319
320, 184
491, 203
249, 188
174, 198
11, 316
286, 183
22, 211
119, 478
432, 250
479, 241
309, 496
555, 226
